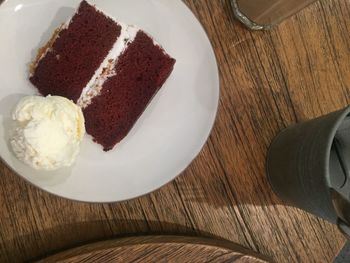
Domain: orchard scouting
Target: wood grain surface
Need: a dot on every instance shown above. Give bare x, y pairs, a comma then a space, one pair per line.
269, 80
157, 249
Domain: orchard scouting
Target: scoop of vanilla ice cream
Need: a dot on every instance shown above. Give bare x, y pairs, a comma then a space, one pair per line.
48, 131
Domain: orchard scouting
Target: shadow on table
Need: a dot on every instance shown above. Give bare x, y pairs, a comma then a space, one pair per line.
219, 188
47, 242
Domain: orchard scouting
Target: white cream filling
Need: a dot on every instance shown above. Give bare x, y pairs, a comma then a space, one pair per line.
106, 69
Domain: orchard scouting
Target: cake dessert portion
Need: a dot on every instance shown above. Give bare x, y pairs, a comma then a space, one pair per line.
112, 78
138, 74
75, 53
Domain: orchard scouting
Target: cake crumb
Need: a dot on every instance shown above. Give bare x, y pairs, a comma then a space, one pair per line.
43, 50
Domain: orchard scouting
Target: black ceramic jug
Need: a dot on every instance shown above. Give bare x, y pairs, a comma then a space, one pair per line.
308, 166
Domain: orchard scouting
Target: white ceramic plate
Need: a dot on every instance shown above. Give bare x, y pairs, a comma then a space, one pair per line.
166, 138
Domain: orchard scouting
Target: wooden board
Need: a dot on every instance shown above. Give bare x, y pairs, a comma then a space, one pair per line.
158, 249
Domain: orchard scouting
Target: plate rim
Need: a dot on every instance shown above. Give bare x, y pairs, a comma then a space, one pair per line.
190, 161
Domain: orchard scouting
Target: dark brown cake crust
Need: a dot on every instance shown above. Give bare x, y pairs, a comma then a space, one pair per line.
141, 70
76, 54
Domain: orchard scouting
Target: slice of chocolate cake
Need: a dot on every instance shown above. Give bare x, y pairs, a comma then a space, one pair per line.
139, 72
111, 70
75, 53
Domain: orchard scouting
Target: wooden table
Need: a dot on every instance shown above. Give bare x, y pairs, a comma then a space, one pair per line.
269, 80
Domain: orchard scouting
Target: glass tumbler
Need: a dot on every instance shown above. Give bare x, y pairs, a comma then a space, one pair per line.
263, 14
